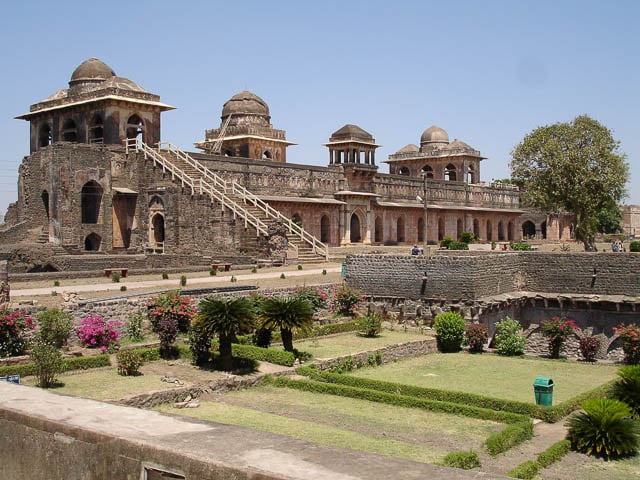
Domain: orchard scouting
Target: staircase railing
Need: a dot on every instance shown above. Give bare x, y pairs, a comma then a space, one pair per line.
247, 197
197, 185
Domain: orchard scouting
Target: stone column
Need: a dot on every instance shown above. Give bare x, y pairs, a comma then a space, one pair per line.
367, 233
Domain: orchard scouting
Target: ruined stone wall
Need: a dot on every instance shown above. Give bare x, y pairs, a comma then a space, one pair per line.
470, 275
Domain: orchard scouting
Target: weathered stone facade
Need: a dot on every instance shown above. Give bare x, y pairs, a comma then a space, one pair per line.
83, 190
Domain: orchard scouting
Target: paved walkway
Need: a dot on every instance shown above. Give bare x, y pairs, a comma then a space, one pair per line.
132, 284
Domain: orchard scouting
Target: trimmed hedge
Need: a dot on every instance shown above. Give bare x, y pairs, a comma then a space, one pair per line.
529, 469
548, 414
509, 437
68, 364
279, 357
319, 330
399, 400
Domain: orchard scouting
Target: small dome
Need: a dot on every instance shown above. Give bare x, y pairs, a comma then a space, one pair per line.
460, 144
434, 134
245, 103
350, 131
91, 70
410, 148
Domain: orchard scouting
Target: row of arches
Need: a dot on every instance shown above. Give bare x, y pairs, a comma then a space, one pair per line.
95, 130
450, 172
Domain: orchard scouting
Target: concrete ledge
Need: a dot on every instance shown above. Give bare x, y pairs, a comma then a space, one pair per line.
46, 435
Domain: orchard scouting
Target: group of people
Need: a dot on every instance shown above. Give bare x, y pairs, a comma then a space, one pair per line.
616, 246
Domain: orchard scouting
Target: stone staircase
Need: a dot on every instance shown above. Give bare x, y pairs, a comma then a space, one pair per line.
243, 204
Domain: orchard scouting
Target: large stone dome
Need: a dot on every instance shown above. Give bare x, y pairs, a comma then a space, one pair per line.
434, 134
245, 103
91, 70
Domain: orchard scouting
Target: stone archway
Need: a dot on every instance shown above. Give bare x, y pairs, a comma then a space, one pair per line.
356, 233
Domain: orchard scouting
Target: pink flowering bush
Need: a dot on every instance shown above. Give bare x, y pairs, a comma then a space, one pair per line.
317, 297
557, 330
96, 332
15, 327
346, 300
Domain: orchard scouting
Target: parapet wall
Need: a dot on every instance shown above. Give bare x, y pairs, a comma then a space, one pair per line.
469, 277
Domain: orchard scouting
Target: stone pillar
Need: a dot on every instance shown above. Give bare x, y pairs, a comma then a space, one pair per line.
367, 232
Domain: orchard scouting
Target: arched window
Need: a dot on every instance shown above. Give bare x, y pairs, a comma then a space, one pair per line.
356, 236
135, 127
476, 228
421, 229
44, 136
266, 155
440, 228
228, 153
528, 230
471, 174
450, 172
427, 170
489, 231
325, 232
400, 230
510, 231
543, 229
377, 236
92, 242
69, 131
500, 232
90, 202
157, 221
96, 130
404, 171
459, 229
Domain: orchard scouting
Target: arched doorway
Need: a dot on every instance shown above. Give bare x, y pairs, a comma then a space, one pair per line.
69, 131
528, 230
440, 229
400, 230
158, 229
92, 242
356, 235
377, 236
135, 127
476, 228
421, 229
500, 232
325, 234
510, 231
96, 130
459, 229
90, 201
543, 229
450, 173
428, 171
44, 137
489, 231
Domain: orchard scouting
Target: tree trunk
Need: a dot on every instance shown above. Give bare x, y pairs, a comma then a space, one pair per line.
226, 357
287, 339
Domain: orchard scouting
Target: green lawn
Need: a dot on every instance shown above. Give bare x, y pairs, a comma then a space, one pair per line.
347, 423
349, 343
492, 375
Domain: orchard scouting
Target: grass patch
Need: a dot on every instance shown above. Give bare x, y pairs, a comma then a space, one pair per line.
493, 376
348, 343
346, 423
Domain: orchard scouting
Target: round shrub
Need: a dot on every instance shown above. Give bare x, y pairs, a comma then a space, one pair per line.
346, 300
634, 246
476, 337
467, 237
604, 428
370, 325
48, 362
627, 388
458, 246
200, 345
508, 339
129, 361
589, 348
262, 337
167, 328
630, 337
54, 327
449, 327
444, 243
95, 332
172, 304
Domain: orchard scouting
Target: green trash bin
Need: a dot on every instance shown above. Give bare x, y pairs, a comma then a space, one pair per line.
543, 390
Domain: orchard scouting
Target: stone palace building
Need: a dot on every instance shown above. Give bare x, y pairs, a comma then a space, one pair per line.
99, 178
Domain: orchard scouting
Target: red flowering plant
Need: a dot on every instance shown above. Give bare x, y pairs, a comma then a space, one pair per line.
96, 332
557, 330
346, 300
316, 296
173, 305
630, 337
15, 329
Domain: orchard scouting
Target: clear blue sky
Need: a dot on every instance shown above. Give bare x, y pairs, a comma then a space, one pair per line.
488, 72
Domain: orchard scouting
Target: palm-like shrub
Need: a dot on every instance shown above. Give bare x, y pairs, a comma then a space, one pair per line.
604, 428
449, 327
627, 388
508, 339
227, 318
286, 314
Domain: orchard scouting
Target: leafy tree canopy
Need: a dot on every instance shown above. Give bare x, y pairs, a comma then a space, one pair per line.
574, 167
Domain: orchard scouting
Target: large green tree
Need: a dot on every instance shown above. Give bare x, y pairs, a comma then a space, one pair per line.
574, 167
228, 318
